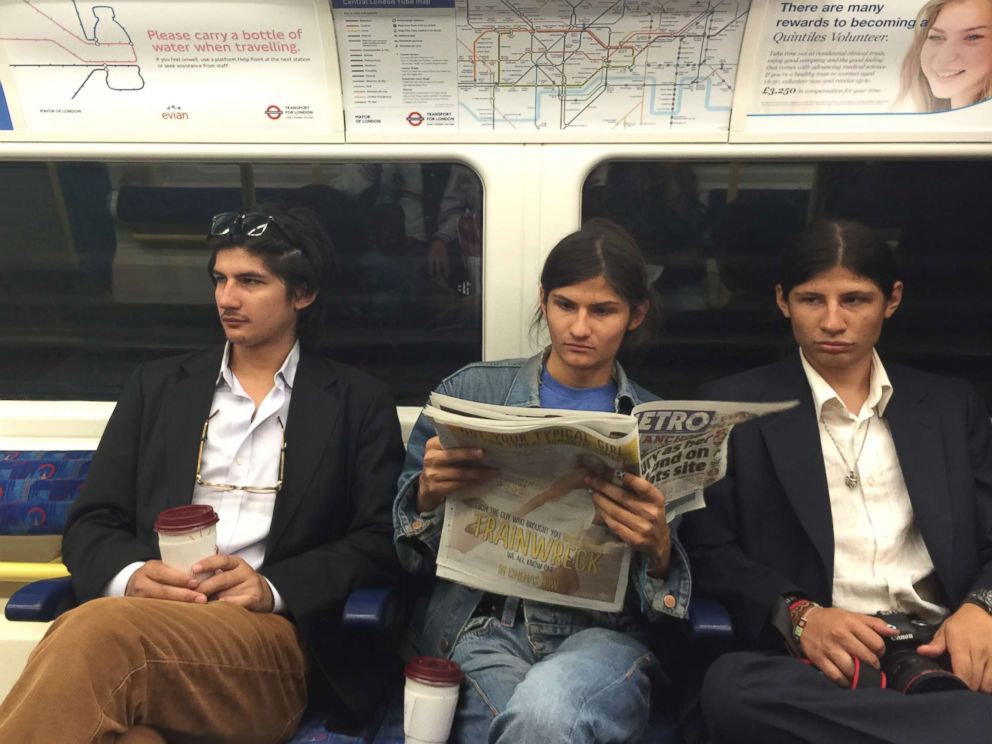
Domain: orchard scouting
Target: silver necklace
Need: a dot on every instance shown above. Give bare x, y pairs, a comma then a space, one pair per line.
851, 480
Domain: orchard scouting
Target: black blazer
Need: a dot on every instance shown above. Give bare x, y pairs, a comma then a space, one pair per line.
767, 528
331, 527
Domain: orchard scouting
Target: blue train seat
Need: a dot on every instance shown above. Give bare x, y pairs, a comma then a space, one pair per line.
36, 490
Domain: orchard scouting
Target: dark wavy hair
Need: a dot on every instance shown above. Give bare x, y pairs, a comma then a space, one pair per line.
294, 248
603, 248
830, 242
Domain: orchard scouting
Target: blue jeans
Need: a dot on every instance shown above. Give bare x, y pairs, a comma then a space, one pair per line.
591, 686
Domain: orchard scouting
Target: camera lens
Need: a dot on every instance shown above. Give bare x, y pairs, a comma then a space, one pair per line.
911, 673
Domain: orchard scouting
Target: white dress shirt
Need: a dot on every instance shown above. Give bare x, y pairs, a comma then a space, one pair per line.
242, 449
880, 559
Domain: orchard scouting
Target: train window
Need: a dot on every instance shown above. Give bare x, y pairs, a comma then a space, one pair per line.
712, 231
103, 265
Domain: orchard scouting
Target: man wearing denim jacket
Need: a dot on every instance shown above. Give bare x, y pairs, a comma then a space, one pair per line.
454, 612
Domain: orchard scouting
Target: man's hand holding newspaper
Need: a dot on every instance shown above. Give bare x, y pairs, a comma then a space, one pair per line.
447, 471
634, 510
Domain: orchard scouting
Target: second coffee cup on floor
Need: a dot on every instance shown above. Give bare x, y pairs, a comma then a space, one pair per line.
430, 698
187, 534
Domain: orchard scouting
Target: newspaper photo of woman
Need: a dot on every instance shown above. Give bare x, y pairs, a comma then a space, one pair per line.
949, 63
570, 480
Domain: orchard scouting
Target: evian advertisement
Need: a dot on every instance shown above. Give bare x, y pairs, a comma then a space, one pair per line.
185, 70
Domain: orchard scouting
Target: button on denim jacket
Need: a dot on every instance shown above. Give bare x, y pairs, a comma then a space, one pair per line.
515, 382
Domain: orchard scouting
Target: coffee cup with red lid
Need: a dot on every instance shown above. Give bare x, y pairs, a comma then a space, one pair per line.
186, 535
429, 699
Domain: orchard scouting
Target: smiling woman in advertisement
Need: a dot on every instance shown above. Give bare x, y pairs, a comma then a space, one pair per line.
949, 63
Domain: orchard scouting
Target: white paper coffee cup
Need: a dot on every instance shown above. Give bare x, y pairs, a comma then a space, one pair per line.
430, 699
186, 535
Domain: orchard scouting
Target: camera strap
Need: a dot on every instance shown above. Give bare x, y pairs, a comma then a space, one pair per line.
866, 676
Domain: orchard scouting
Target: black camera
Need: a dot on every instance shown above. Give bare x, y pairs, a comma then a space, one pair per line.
905, 669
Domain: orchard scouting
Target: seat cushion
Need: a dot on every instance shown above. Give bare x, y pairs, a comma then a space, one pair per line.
38, 487
36, 506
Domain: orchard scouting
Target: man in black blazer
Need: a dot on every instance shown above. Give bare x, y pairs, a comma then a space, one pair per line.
229, 656
800, 542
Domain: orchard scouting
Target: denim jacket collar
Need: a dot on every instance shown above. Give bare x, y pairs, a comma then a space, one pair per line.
525, 390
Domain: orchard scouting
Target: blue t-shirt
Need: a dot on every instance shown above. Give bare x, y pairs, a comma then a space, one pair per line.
555, 395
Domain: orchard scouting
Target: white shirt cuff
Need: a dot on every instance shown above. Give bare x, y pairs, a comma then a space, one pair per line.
118, 585
278, 606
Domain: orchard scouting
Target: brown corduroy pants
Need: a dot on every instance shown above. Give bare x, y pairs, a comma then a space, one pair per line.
193, 673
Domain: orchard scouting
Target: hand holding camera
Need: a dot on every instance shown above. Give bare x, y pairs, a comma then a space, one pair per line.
966, 636
900, 651
833, 638
904, 668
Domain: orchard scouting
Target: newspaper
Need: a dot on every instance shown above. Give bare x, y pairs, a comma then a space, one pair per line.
529, 531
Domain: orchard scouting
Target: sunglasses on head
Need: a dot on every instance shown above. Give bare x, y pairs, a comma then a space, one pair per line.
248, 224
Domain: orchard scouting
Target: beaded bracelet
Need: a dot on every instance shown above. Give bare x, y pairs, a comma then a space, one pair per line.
798, 611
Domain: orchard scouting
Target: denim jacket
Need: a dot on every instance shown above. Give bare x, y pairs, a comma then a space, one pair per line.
515, 382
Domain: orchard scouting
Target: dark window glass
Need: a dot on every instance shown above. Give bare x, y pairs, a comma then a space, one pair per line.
715, 231
103, 266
